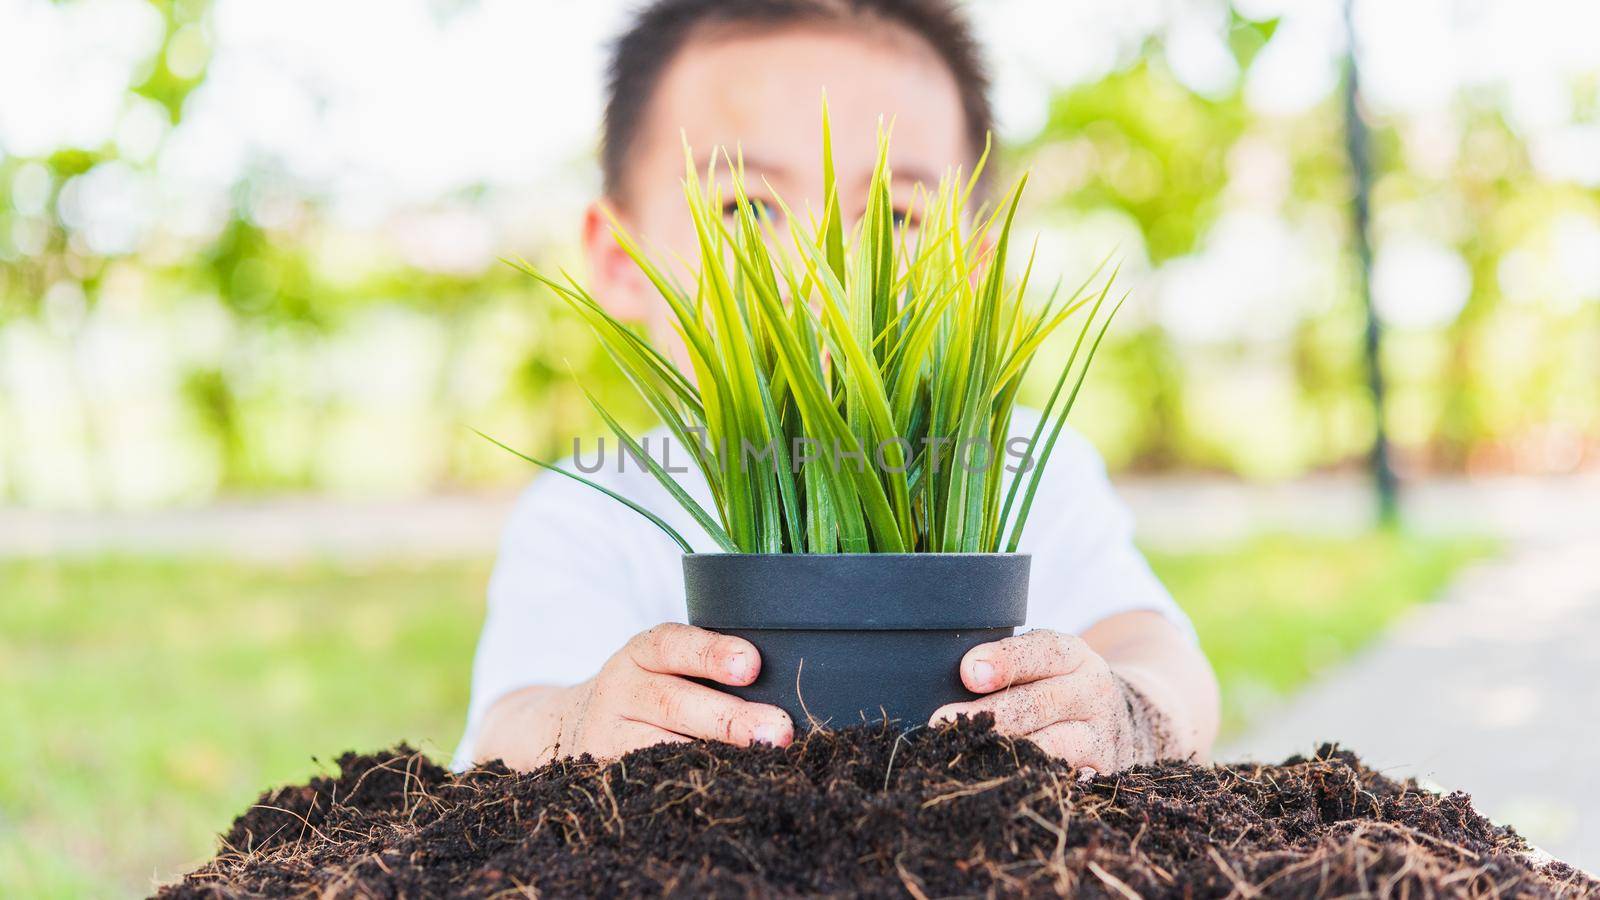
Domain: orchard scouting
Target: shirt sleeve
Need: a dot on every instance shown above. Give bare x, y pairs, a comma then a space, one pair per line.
561, 600
1085, 565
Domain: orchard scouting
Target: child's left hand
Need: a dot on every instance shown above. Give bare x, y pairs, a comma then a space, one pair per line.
1055, 690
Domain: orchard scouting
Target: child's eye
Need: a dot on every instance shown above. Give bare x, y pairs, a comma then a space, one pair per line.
762, 209
903, 218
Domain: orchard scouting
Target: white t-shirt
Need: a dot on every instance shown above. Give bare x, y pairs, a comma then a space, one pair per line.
579, 573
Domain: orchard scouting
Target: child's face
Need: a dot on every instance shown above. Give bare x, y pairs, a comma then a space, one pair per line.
763, 93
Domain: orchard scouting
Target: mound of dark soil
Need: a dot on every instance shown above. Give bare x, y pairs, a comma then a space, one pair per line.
865, 812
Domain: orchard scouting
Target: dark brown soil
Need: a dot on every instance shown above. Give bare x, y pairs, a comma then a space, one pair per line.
862, 812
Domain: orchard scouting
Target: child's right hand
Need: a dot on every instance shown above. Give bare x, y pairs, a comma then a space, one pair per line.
641, 696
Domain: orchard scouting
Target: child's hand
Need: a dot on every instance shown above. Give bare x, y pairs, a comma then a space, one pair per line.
1054, 690
641, 697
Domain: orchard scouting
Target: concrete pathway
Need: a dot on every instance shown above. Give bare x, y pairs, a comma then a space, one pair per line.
1494, 690
1190, 512
1172, 512
440, 527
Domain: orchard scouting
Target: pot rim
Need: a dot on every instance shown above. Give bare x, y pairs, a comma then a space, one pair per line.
857, 591
900, 555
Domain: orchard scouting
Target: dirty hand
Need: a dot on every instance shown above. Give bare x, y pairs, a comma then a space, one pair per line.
1052, 689
641, 697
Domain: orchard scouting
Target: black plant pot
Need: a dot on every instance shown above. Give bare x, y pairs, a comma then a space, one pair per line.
852, 636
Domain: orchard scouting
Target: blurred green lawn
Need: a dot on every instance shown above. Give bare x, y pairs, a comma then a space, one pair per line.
148, 701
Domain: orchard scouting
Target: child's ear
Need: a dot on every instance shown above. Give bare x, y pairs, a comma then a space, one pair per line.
614, 279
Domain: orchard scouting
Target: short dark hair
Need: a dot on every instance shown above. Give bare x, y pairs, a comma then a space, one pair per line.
661, 29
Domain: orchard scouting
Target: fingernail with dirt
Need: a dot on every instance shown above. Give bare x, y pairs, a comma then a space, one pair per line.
982, 672
741, 667
768, 733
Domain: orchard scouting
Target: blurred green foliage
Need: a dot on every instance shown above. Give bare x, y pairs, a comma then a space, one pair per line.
1500, 386
1151, 148
258, 409
1510, 382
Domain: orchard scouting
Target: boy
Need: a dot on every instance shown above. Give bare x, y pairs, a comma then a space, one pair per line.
584, 588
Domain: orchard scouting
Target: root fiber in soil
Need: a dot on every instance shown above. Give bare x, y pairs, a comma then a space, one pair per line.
865, 811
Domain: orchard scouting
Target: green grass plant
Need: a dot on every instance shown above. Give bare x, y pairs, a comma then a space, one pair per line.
847, 393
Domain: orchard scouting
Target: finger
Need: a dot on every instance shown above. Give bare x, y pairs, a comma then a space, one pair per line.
674, 649
1040, 653
1030, 707
1079, 744
629, 735
698, 711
